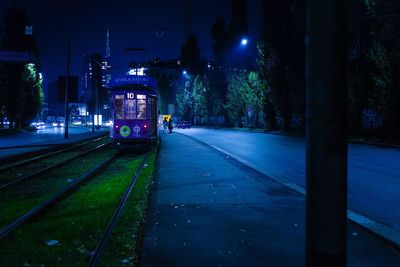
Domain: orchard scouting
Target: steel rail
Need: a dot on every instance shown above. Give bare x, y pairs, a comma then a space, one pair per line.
96, 255
16, 181
55, 198
62, 150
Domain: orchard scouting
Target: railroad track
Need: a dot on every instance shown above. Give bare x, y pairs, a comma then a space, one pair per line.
55, 150
50, 206
53, 199
97, 253
23, 189
27, 169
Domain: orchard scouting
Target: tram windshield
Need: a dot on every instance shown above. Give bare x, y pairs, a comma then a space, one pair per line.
130, 109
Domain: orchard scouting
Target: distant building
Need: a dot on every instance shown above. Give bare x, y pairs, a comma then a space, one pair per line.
95, 81
55, 107
85, 82
167, 73
56, 94
73, 83
106, 62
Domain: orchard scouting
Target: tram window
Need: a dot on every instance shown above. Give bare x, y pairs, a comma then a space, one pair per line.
141, 108
130, 108
119, 109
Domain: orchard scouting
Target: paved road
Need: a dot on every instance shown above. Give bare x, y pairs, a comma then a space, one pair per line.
374, 173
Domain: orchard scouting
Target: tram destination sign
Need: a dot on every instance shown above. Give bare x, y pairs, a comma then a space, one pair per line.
133, 79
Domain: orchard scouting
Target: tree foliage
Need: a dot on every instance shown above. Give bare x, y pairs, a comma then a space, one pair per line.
32, 93
255, 97
21, 88
281, 59
238, 26
201, 99
190, 55
374, 64
236, 97
385, 57
184, 99
220, 40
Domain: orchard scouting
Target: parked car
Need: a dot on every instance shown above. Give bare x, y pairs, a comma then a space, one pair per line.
184, 125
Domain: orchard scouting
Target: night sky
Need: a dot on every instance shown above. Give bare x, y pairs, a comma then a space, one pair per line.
131, 23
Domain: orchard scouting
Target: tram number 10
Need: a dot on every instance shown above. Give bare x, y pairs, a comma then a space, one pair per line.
130, 95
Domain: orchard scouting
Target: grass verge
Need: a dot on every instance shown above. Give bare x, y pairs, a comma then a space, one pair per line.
123, 248
21, 198
69, 231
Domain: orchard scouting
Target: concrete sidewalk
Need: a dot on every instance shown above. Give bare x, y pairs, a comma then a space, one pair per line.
209, 209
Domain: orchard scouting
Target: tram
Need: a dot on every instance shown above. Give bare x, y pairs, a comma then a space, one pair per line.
134, 102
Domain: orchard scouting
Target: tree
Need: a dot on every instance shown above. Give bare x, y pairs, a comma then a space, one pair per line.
185, 100
20, 87
269, 107
190, 55
220, 41
201, 99
164, 92
238, 26
218, 82
360, 84
236, 101
281, 57
384, 54
32, 90
255, 96
13, 93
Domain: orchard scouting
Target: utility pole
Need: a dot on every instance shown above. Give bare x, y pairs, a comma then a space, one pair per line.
326, 148
66, 120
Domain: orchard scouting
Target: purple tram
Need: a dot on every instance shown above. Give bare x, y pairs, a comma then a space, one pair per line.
134, 104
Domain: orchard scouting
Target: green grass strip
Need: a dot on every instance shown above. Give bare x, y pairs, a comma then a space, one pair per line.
76, 223
23, 197
123, 247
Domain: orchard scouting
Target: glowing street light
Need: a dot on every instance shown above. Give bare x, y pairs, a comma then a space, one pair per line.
244, 41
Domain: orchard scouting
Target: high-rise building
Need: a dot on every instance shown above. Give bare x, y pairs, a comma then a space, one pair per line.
106, 64
96, 80
56, 94
85, 86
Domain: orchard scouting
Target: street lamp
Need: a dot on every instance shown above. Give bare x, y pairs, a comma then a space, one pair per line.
244, 41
